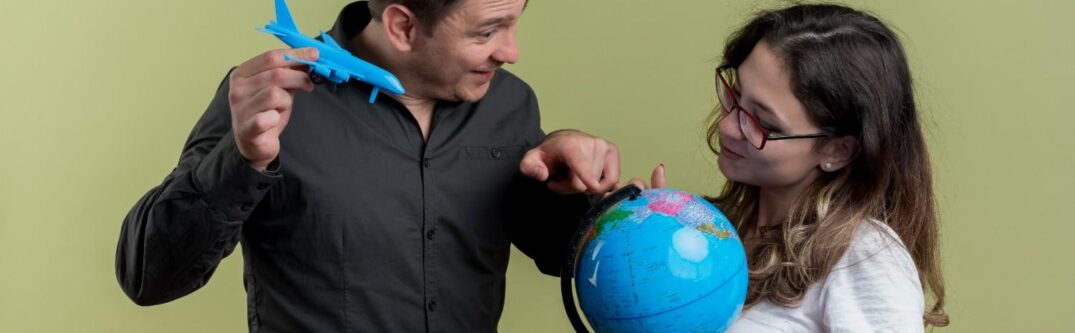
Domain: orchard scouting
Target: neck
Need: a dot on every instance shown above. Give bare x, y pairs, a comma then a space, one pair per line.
774, 203
373, 45
773, 206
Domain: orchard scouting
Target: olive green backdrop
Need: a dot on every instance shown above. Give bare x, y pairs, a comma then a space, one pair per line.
97, 97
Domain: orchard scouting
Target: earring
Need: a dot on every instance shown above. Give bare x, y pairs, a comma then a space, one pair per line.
827, 166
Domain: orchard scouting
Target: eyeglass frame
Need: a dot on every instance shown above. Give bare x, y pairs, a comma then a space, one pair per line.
765, 135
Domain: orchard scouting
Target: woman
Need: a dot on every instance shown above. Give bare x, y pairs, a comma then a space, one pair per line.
828, 177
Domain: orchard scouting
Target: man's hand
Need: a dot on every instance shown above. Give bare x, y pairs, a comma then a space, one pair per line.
261, 92
573, 162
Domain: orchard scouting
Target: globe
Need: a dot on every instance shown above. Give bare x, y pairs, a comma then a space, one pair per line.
660, 261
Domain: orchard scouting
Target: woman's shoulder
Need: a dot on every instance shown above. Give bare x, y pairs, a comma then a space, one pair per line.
874, 285
875, 243
873, 288
876, 253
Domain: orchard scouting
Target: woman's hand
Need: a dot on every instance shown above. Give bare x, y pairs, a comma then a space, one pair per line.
656, 179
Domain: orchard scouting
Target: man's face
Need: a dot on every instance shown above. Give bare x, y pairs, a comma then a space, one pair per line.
457, 61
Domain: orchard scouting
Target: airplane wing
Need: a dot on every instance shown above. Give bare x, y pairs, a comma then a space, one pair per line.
285, 29
333, 73
330, 42
270, 29
328, 70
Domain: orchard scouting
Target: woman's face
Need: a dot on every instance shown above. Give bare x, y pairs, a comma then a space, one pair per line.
764, 90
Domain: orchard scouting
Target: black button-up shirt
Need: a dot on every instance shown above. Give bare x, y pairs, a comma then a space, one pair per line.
360, 225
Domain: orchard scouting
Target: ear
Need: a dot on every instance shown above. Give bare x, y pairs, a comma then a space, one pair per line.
400, 26
838, 152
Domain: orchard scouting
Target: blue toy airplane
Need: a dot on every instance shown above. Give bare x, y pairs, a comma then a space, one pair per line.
334, 62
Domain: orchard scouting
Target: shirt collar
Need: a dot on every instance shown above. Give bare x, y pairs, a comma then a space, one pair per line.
351, 21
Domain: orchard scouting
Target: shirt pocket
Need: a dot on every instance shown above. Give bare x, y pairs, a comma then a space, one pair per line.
486, 177
507, 153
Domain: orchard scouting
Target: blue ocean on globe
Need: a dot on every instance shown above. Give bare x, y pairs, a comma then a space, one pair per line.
664, 261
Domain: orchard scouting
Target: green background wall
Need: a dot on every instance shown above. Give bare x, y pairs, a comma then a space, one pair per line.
97, 97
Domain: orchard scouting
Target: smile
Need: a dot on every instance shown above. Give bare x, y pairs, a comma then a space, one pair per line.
724, 150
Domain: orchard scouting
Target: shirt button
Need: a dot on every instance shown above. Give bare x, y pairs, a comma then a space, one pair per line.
425, 162
496, 152
431, 233
432, 306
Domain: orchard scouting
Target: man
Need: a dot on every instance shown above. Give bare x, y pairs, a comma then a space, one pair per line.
395, 216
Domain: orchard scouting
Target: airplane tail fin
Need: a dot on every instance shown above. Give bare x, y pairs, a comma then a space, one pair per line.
283, 16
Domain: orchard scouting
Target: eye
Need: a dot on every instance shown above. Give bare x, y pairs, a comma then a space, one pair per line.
487, 34
769, 127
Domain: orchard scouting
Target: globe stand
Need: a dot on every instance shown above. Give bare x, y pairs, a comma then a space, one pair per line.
567, 271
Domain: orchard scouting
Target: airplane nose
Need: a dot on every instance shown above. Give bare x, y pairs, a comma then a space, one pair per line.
395, 86
388, 82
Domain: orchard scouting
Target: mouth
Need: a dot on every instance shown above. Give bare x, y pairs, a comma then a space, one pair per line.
724, 150
484, 74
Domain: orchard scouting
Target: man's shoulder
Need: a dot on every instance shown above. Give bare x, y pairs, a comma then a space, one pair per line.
505, 82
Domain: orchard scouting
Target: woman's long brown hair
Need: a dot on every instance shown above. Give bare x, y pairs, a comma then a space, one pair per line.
850, 72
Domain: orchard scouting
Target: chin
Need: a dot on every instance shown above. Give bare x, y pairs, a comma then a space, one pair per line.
725, 170
731, 175
473, 94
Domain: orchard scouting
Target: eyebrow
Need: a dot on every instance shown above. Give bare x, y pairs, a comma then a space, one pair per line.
496, 21
758, 104
762, 107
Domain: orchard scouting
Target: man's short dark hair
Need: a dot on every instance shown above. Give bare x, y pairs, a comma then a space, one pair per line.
428, 12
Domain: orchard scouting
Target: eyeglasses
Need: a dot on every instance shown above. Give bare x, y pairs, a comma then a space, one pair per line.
748, 123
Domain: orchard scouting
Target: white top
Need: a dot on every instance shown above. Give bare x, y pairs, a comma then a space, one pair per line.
873, 288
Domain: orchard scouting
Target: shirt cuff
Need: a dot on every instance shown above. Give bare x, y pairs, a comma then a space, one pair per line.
230, 185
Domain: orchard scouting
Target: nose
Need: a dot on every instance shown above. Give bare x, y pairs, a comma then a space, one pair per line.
508, 50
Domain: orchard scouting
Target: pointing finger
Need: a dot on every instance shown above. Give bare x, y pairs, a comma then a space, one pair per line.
611, 173
533, 165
